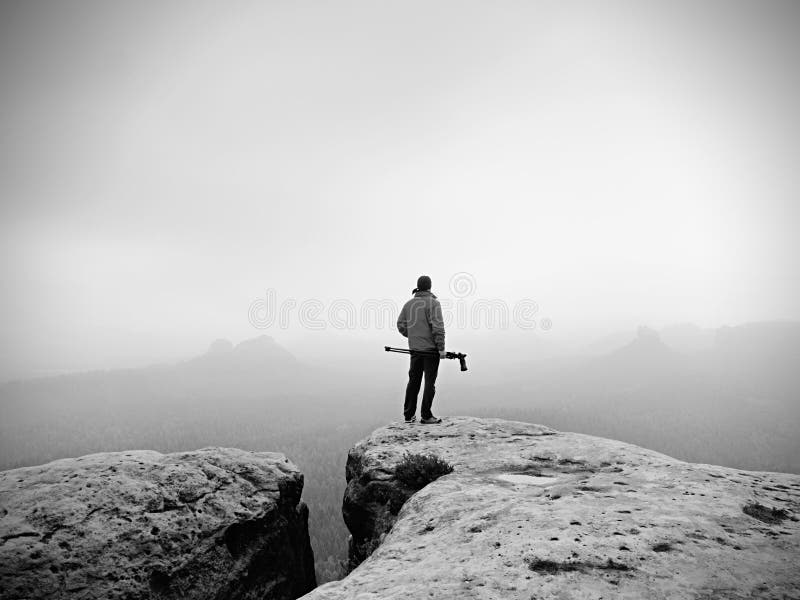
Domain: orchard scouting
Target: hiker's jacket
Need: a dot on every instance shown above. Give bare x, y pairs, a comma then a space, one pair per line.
421, 322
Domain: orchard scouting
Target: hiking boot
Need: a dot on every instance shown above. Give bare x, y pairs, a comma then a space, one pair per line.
412, 420
430, 420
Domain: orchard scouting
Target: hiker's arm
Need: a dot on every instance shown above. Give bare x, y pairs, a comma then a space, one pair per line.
402, 323
437, 326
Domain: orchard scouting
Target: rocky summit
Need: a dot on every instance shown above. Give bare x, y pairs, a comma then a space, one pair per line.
213, 523
532, 513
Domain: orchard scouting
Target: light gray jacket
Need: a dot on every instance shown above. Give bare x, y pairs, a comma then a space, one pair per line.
422, 323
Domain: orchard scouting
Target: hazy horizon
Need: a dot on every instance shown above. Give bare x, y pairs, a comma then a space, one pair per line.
164, 165
345, 350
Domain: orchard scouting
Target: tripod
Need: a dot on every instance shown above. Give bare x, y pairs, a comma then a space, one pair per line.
462, 358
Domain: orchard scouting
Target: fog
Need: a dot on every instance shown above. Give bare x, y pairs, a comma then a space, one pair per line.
164, 164
211, 214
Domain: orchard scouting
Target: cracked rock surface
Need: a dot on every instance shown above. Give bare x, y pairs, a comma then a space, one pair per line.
533, 513
212, 523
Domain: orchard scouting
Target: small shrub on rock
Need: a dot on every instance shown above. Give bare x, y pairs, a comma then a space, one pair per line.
773, 516
418, 470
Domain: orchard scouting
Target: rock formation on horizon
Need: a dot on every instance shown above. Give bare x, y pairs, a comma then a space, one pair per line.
213, 523
530, 512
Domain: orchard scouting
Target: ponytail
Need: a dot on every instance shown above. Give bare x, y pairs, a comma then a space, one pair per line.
414, 291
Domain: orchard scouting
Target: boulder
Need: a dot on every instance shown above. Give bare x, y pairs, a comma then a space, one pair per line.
213, 523
530, 512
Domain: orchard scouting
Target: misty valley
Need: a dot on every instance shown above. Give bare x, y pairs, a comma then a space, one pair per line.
573, 225
727, 396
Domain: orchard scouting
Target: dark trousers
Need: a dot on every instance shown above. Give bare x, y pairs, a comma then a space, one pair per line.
429, 365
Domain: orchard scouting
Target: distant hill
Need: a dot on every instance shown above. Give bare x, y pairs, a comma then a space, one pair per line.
760, 359
644, 359
252, 368
761, 342
771, 336
753, 360
734, 398
688, 338
247, 369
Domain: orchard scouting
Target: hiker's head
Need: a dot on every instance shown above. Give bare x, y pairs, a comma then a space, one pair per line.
423, 284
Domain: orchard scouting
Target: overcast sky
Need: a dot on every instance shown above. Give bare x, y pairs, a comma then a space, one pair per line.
163, 164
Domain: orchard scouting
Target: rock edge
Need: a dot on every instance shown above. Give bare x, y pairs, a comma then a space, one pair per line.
216, 522
530, 512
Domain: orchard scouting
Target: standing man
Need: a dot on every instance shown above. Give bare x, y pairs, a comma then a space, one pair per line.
421, 322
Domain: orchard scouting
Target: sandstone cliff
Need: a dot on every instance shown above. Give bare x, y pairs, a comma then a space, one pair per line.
532, 513
215, 523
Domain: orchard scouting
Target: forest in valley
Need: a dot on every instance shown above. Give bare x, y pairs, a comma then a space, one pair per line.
736, 405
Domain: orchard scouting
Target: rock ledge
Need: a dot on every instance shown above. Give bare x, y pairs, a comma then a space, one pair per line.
530, 512
213, 523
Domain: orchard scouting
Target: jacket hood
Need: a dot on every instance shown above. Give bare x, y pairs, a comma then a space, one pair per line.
424, 293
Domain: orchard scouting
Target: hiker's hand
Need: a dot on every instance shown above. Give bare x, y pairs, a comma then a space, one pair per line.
442, 354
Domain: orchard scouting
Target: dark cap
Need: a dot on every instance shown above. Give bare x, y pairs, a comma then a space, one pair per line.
423, 283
